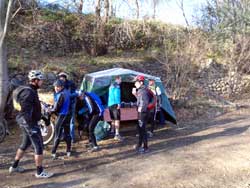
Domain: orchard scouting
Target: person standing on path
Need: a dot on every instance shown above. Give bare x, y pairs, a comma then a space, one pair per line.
153, 112
143, 98
70, 85
114, 105
61, 107
29, 114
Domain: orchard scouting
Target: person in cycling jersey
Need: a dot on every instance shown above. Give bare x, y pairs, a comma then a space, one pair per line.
70, 85
27, 118
61, 108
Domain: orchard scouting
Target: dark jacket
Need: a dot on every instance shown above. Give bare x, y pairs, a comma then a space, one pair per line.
143, 98
30, 106
69, 85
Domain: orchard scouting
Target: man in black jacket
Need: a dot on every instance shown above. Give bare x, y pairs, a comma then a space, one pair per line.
27, 118
142, 96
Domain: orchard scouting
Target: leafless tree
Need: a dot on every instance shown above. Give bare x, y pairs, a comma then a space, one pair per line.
4, 18
155, 3
180, 3
79, 5
98, 9
107, 11
137, 9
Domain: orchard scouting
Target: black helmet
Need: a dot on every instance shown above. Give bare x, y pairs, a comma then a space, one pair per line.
58, 83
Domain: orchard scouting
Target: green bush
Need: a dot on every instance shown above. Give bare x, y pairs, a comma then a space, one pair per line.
49, 15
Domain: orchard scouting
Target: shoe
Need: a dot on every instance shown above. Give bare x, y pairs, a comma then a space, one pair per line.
88, 145
112, 133
54, 156
118, 137
150, 134
143, 150
136, 147
68, 154
44, 174
17, 169
93, 149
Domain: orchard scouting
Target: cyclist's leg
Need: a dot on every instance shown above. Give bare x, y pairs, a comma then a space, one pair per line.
58, 132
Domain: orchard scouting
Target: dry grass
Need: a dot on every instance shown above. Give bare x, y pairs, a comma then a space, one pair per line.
46, 97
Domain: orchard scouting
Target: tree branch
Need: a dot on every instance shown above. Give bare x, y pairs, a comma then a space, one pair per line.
180, 3
20, 7
2, 36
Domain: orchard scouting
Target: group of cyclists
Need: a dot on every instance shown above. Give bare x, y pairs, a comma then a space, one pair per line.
87, 107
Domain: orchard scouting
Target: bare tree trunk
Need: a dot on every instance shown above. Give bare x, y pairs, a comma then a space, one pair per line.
4, 17
154, 8
98, 9
3, 79
181, 5
80, 7
106, 7
111, 9
97, 27
137, 9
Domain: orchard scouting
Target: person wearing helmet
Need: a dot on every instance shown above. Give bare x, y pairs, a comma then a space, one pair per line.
61, 108
27, 118
69, 85
142, 109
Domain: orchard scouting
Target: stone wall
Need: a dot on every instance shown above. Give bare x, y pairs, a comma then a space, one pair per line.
216, 78
229, 86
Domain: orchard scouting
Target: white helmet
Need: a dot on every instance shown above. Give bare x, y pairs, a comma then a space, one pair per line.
63, 74
35, 74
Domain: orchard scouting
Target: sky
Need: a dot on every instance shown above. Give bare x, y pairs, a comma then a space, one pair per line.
167, 11
170, 12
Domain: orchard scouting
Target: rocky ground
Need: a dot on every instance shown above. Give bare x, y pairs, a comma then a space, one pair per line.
201, 154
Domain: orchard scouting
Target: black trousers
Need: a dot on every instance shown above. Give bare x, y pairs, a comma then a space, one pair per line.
62, 126
32, 136
141, 127
152, 118
94, 119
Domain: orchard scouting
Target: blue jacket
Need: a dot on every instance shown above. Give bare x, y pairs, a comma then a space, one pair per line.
114, 94
62, 102
94, 103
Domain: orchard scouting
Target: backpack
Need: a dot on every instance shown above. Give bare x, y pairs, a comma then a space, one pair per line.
98, 101
102, 130
152, 99
16, 93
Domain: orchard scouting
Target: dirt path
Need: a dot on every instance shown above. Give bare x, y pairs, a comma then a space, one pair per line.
206, 154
